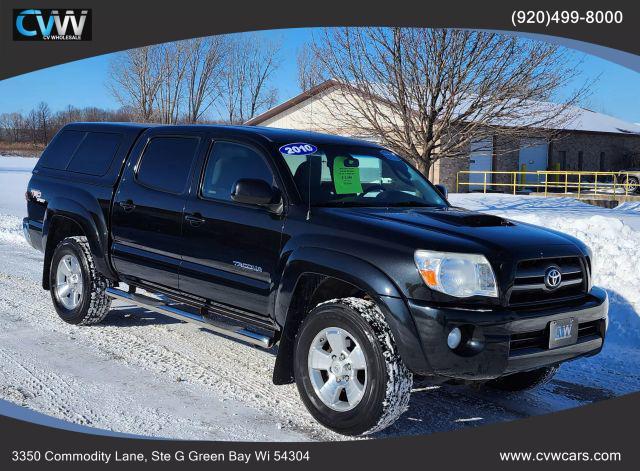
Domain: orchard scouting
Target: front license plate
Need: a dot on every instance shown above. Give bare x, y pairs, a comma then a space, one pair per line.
563, 332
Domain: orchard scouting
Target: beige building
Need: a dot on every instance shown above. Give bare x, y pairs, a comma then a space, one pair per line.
593, 142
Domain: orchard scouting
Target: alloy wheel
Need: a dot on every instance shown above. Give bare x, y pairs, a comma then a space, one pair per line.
68, 289
337, 369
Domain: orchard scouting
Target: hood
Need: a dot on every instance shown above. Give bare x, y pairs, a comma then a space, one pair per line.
483, 229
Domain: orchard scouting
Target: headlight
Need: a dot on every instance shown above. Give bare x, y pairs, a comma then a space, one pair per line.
457, 274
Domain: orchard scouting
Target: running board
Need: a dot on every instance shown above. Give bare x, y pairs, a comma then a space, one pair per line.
162, 307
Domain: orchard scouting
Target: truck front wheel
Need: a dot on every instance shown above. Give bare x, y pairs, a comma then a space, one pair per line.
524, 380
347, 368
77, 289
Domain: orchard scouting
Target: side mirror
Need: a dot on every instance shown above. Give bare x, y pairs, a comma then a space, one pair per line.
251, 191
443, 191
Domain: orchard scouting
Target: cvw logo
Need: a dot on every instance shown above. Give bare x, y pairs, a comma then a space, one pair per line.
563, 331
52, 25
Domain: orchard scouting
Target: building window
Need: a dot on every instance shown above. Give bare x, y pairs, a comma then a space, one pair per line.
603, 164
580, 160
563, 159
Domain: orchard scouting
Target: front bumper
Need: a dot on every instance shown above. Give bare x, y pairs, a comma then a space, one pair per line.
502, 341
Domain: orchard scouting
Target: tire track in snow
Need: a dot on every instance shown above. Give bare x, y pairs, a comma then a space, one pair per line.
85, 403
178, 352
57, 394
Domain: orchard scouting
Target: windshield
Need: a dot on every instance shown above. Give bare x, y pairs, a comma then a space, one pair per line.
333, 175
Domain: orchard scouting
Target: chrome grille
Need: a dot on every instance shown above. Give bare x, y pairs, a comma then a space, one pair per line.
529, 286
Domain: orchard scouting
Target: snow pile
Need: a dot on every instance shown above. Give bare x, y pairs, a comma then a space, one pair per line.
616, 264
628, 206
615, 246
11, 229
610, 234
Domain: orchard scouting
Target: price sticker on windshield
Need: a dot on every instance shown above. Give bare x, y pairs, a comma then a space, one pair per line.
346, 176
298, 148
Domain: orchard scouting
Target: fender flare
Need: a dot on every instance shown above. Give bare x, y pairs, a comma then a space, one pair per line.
92, 223
368, 278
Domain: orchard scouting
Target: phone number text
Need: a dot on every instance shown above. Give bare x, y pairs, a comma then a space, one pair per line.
551, 17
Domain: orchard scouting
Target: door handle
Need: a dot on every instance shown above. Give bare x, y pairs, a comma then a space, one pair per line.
128, 205
194, 219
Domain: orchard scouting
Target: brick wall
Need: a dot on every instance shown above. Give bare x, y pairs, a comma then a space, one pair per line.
620, 152
505, 159
448, 169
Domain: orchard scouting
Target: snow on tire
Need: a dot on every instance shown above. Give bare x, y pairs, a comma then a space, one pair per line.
388, 394
399, 378
93, 304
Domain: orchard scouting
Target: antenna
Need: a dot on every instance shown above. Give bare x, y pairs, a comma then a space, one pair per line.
309, 161
308, 187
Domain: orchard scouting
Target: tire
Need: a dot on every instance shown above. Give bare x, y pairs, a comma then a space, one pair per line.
378, 394
524, 380
633, 184
85, 302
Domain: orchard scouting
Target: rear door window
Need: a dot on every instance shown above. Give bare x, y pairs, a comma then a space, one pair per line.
95, 153
166, 163
58, 154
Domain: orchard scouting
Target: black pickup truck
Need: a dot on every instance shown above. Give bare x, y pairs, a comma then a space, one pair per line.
336, 249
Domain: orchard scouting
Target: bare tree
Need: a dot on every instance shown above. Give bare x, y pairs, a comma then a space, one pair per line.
205, 64
41, 123
17, 124
248, 70
135, 78
69, 115
310, 70
44, 121
173, 61
6, 127
427, 93
13, 126
5, 130
32, 124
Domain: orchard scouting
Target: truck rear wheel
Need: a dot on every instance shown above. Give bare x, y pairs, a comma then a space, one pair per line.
524, 380
347, 368
77, 289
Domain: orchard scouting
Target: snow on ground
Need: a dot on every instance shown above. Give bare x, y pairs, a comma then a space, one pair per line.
14, 175
142, 373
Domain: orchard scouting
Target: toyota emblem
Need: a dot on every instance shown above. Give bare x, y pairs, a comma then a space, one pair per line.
552, 277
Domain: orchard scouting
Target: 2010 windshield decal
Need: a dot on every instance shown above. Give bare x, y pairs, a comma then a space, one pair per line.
298, 148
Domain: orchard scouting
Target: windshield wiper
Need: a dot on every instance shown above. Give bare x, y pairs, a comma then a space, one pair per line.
341, 204
372, 204
416, 204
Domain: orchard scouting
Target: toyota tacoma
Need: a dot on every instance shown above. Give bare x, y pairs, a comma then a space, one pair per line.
335, 249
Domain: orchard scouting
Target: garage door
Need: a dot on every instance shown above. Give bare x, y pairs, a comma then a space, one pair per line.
480, 160
533, 156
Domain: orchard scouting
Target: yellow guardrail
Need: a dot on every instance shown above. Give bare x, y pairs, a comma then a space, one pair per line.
549, 181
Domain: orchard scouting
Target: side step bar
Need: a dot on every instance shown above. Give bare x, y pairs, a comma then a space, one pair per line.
162, 307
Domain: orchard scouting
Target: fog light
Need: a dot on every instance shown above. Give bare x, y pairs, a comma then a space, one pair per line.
454, 338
